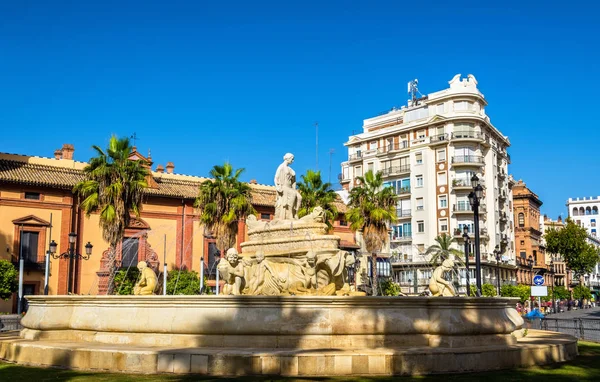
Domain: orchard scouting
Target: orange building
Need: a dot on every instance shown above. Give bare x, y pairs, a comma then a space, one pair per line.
37, 205
528, 236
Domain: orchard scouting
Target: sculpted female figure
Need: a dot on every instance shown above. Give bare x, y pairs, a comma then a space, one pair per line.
438, 285
147, 282
288, 199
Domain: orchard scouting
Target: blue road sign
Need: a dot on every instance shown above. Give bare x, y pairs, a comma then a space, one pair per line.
538, 280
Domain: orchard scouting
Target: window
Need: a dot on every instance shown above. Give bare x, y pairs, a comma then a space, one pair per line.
419, 158
265, 216
419, 181
420, 226
29, 246
442, 179
346, 173
443, 201
593, 222
343, 223
521, 219
439, 108
593, 231
130, 252
522, 242
420, 204
443, 225
463, 105
370, 166
32, 195
420, 134
441, 155
358, 171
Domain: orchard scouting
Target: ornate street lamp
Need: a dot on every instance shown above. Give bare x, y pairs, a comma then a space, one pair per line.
71, 255
475, 200
497, 253
466, 238
530, 264
552, 285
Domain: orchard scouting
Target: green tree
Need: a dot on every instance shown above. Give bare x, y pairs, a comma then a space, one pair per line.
316, 193
571, 243
9, 283
561, 293
488, 290
113, 185
581, 291
521, 291
442, 250
125, 280
390, 288
222, 202
183, 282
372, 208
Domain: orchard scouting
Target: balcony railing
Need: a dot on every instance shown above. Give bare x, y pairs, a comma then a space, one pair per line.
356, 156
403, 237
403, 213
475, 159
401, 259
467, 135
394, 170
462, 207
439, 138
461, 183
31, 265
403, 190
392, 147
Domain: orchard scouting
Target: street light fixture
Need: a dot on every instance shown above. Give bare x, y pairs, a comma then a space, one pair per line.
530, 264
475, 200
552, 285
466, 238
497, 253
71, 255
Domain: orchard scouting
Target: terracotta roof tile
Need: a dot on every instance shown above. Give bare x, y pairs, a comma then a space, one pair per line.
65, 178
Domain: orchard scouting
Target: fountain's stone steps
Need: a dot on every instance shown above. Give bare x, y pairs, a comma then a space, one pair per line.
537, 348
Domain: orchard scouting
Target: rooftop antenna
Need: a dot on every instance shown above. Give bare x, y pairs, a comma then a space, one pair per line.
331, 151
134, 137
413, 90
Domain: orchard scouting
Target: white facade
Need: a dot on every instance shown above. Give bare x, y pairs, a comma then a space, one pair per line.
584, 212
428, 152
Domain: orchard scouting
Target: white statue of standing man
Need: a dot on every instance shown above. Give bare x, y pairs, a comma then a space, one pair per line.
288, 198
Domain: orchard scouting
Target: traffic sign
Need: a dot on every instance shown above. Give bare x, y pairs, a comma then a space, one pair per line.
538, 280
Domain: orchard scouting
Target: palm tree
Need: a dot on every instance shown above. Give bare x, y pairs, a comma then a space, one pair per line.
442, 250
316, 193
222, 202
113, 185
372, 208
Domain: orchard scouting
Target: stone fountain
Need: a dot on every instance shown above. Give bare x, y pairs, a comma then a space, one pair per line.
287, 310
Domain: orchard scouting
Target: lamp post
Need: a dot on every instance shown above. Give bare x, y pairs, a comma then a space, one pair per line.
466, 238
497, 255
475, 200
552, 285
530, 264
71, 255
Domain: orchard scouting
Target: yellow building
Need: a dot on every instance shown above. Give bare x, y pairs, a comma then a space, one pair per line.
37, 206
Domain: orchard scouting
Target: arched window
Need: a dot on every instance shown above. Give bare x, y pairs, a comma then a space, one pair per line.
594, 210
521, 219
588, 211
575, 211
581, 211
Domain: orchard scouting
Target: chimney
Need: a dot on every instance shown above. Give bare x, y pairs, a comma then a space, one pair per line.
160, 168
253, 181
67, 151
57, 154
170, 167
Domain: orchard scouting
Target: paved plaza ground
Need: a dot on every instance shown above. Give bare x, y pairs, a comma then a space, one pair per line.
592, 313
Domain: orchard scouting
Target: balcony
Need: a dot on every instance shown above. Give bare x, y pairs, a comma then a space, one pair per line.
483, 234
401, 259
403, 191
465, 208
391, 148
503, 217
343, 180
396, 170
402, 238
468, 160
355, 157
29, 265
467, 136
501, 173
438, 139
502, 195
419, 141
462, 184
403, 214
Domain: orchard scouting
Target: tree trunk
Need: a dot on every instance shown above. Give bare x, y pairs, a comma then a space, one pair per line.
374, 283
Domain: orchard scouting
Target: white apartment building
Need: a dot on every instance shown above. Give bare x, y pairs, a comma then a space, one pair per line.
584, 212
428, 152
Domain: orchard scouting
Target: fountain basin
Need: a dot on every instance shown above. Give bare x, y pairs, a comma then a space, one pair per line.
273, 322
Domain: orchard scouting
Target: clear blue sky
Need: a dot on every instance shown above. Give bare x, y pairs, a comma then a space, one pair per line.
203, 82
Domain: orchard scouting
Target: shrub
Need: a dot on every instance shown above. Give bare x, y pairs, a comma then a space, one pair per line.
187, 282
8, 279
125, 280
389, 288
